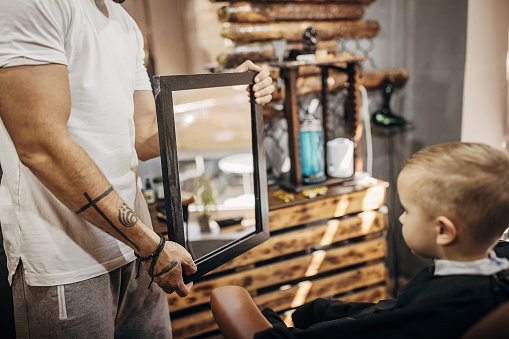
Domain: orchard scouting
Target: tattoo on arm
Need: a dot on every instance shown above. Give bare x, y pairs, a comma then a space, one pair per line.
126, 216
166, 269
93, 203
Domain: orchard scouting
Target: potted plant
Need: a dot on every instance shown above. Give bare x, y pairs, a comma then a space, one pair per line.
206, 193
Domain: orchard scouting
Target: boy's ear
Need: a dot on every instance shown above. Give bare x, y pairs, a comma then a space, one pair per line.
447, 231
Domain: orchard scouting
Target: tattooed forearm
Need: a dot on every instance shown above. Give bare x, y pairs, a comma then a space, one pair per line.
93, 203
166, 269
126, 216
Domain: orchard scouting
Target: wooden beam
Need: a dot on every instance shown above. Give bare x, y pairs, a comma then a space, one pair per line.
359, 225
293, 31
327, 286
373, 79
276, 1
332, 207
370, 79
264, 51
244, 11
309, 80
193, 325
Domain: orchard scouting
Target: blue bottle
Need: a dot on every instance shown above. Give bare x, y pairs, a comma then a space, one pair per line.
311, 150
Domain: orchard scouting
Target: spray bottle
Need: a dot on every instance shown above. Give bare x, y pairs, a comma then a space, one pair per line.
311, 146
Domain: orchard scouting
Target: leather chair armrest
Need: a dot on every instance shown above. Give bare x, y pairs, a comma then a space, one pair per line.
236, 313
491, 326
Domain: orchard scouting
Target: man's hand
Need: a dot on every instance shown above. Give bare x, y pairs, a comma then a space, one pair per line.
173, 260
263, 87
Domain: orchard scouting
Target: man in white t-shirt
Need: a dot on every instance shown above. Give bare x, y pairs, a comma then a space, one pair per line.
77, 112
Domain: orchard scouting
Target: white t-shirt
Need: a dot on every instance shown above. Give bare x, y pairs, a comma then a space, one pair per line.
104, 57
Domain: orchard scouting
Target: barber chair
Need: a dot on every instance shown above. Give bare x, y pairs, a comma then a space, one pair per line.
238, 317
236, 314
491, 326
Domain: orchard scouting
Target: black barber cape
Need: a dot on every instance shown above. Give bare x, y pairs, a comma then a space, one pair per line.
428, 307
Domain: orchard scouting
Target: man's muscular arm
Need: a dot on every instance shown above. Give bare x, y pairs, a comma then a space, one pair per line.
145, 121
34, 107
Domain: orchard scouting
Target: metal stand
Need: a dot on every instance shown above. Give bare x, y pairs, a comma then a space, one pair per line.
289, 72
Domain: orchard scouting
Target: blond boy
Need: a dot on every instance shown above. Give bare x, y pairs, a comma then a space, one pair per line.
456, 201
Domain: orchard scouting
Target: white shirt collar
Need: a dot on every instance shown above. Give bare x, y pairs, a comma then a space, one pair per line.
487, 266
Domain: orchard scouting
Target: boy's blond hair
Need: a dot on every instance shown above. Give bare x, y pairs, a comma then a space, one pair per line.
465, 181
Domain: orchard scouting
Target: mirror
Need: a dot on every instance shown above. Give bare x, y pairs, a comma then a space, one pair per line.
219, 158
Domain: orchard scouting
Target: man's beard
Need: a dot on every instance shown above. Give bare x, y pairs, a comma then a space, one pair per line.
119, 1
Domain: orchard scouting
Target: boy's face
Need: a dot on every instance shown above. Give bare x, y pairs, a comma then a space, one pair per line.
417, 227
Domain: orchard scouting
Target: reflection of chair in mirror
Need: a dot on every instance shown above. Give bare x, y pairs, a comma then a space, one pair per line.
241, 163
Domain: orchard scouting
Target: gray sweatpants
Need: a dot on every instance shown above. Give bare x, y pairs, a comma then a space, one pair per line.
113, 305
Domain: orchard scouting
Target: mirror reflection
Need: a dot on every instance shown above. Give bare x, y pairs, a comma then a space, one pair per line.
213, 132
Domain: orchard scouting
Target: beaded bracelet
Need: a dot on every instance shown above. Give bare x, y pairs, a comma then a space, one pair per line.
154, 256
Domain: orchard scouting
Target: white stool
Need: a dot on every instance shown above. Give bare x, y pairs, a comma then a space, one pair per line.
241, 163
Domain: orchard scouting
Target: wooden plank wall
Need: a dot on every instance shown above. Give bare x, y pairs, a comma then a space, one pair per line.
253, 26
332, 245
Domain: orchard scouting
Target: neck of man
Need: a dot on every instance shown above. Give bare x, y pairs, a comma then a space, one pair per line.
102, 7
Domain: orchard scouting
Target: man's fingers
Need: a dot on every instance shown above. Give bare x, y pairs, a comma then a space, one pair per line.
184, 290
168, 290
187, 263
263, 75
265, 83
264, 91
189, 268
263, 100
248, 65
263, 87
173, 282
264, 95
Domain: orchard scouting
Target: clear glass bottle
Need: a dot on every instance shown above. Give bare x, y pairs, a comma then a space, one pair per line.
149, 192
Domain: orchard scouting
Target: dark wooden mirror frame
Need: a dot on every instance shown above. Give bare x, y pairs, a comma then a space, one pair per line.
164, 86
